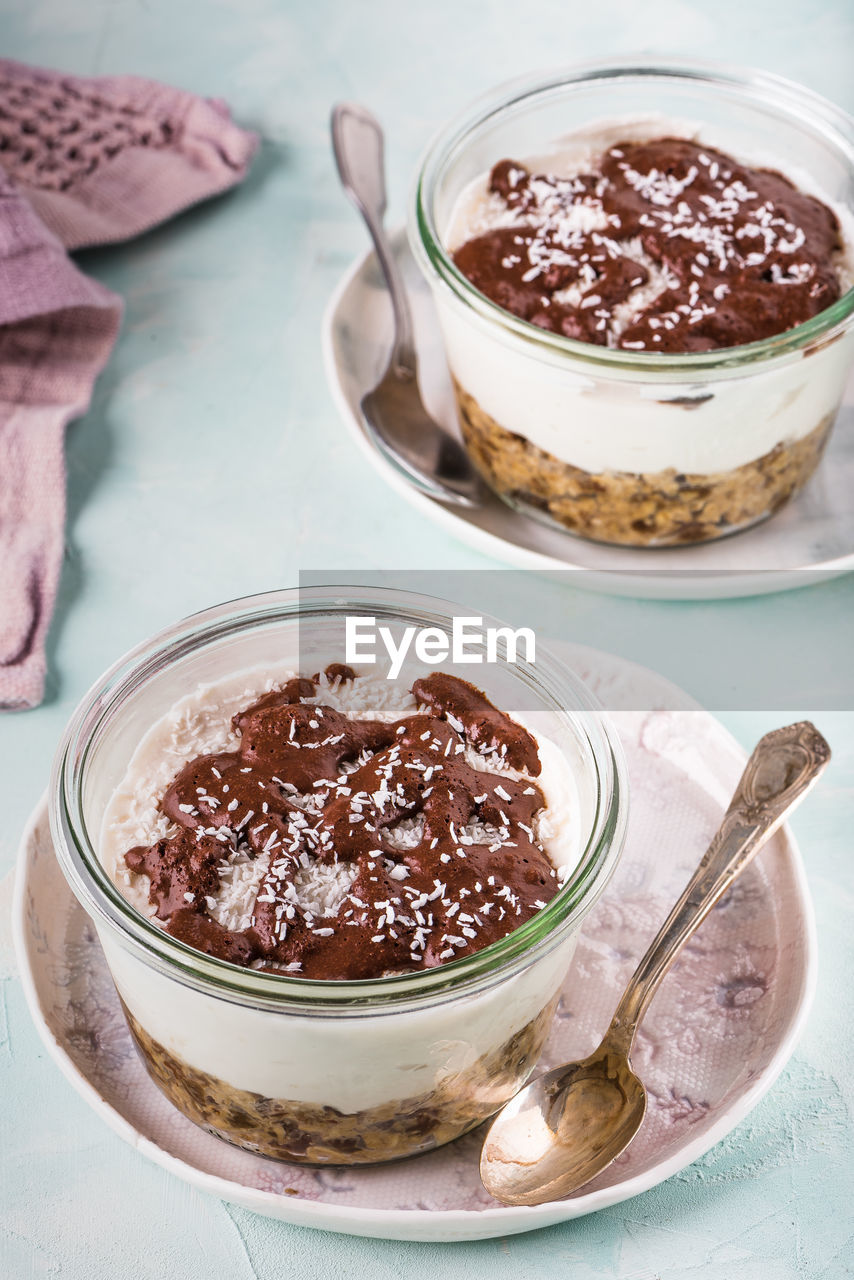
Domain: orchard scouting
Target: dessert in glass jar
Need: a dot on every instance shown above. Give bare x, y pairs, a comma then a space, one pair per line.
338, 909
643, 278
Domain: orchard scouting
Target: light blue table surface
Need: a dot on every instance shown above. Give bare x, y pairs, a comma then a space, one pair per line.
212, 464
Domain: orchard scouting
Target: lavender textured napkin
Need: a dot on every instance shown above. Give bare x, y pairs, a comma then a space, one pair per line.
82, 162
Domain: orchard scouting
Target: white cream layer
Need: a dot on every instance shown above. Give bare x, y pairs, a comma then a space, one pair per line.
351, 1063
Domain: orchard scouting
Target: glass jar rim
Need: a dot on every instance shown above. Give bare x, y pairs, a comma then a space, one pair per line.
103, 900
814, 333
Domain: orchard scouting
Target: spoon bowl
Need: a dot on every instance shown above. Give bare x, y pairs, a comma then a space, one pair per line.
564, 1129
403, 430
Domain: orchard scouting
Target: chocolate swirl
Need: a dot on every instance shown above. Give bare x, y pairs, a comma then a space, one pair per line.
434, 858
729, 254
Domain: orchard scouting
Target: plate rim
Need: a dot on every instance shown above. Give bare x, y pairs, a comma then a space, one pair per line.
432, 1224
659, 585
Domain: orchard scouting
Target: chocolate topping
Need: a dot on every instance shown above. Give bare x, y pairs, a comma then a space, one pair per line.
203, 933
181, 871
299, 689
739, 254
486, 728
306, 743
340, 671
311, 786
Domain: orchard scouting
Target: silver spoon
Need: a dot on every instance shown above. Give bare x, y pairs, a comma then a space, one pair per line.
394, 411
569, 1124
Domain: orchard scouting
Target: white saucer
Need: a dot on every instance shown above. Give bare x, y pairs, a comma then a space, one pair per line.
717, 1035
812, 537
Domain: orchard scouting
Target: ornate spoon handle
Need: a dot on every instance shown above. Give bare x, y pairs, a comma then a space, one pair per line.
781, 770
358, 144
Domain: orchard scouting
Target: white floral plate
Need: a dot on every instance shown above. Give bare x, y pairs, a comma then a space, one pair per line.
717, 1035
810, 539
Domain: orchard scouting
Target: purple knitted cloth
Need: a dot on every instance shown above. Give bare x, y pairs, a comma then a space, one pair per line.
82, 162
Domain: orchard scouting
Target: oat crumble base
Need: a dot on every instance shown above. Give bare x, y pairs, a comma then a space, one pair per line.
647, 509
310, 1133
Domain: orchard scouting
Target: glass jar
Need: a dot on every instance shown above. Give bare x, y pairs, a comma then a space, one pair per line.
328, 1071
633, 447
